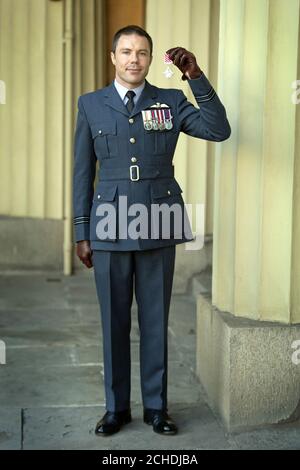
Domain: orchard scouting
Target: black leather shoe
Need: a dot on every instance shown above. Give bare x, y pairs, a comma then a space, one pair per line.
162, 423
112, 422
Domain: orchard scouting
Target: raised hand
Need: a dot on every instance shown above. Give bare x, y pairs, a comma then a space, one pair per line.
185, 61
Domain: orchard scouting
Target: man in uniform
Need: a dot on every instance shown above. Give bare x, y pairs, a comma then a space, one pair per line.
132, 128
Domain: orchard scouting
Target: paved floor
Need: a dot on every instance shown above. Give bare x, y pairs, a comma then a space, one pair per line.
52, 392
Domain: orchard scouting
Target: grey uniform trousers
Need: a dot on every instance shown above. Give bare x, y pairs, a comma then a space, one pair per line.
150, 275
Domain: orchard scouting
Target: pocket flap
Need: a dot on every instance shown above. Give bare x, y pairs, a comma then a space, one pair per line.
167, 188
103, 128
105, 193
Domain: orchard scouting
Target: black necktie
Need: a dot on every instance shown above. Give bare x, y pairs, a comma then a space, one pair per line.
130, 104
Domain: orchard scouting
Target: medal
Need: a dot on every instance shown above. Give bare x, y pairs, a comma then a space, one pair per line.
148, 123
157, 118
161, 124
168, 72
168, 119
154, 120
147, 120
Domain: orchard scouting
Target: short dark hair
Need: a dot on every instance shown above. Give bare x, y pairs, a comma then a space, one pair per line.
131, 29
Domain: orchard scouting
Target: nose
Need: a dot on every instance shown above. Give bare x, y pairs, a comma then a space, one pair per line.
134, 57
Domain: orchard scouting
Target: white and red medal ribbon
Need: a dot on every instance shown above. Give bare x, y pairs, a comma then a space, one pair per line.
168, 72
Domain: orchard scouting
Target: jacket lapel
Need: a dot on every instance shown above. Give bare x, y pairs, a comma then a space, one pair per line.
113, 99
147, 98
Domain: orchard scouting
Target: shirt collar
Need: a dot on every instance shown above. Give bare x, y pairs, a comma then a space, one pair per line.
122, 90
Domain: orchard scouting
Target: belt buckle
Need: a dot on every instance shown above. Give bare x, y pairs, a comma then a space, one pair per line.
137, 172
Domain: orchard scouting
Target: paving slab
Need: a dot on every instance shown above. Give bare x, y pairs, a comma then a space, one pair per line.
69, 428
10, 428
54, 385
276, 437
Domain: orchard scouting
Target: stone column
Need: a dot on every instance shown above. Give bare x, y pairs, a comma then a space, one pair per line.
247, 331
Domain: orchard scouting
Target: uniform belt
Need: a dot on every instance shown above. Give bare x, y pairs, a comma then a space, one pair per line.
136, 173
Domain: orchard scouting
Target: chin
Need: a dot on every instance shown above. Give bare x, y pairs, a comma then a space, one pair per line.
135, 81
139, 77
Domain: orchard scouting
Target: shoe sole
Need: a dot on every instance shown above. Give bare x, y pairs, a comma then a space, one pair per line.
167, 433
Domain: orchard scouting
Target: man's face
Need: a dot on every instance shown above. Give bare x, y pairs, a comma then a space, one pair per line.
132, 60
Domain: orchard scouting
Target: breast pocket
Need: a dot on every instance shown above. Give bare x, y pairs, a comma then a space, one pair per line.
103, 221
160, 142
105, 139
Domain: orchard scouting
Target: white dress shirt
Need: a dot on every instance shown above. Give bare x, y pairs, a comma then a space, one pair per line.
122, 90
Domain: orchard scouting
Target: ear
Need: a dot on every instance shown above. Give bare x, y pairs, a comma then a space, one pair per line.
113, 59
151, 60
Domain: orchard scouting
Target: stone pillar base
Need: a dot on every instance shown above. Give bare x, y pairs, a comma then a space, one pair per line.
248, 368
30, 243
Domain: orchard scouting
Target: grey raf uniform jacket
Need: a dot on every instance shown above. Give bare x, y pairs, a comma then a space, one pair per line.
136, 162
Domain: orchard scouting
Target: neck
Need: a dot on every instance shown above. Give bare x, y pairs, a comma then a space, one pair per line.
129, 86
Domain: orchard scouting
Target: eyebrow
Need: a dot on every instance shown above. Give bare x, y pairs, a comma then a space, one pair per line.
128, 49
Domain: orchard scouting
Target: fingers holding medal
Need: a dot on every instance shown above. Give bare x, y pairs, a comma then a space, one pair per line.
185, 61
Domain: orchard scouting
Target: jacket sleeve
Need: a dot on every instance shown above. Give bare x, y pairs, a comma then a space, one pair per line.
83, 175
209, 121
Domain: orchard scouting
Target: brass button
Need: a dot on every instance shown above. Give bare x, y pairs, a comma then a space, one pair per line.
131, 120
133, 159
132, 140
